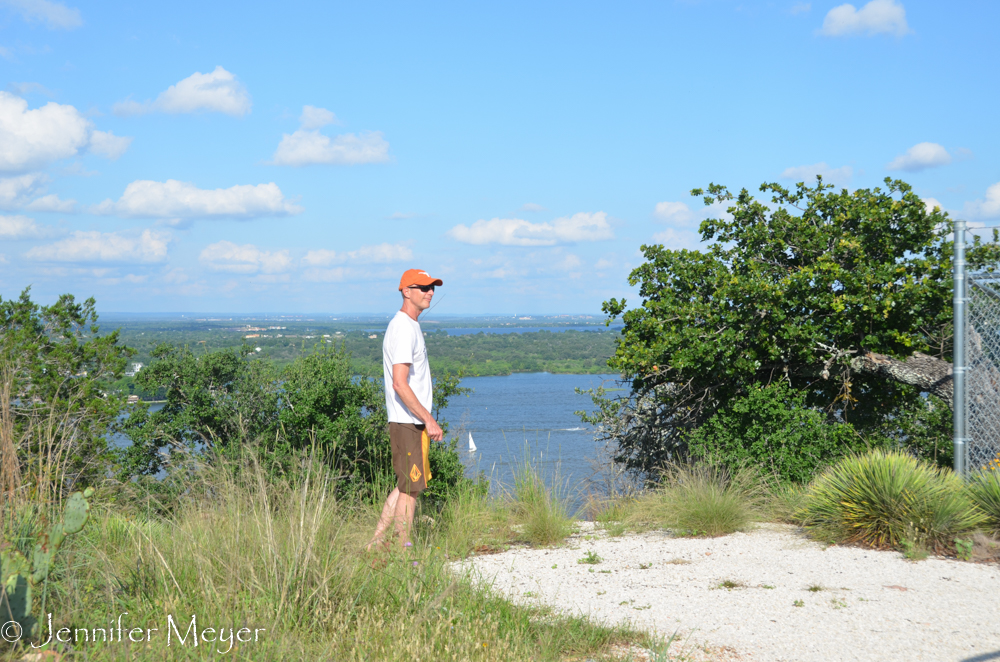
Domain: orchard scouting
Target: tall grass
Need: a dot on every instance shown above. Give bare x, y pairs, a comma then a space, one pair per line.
883, 499
242, 549
541, 512
700, 500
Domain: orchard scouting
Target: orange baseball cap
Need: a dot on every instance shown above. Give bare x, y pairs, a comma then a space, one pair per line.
418, 277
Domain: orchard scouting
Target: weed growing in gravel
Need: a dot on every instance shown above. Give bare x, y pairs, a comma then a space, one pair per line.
836, 603
730, 584
913, 550
590, 558
815, 588
882, 498
963, 549
798, 603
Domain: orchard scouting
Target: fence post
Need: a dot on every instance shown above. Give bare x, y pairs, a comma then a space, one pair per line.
958, 369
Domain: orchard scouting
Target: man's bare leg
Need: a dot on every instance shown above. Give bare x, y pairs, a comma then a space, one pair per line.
405, 506
388, 514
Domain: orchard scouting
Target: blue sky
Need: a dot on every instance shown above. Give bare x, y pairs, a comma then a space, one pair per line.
298, 157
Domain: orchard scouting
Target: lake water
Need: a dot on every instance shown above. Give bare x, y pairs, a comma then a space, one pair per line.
467, 331
528, 416
525, 416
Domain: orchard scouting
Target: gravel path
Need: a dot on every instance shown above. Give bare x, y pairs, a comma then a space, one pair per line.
865, 605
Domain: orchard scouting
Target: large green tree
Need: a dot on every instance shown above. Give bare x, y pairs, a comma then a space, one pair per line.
56, 407
844, 296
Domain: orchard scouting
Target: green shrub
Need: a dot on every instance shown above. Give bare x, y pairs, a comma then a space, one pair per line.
701, 500
984, 490
884, 498
772, 428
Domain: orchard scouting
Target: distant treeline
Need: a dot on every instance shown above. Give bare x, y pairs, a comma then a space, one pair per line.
480, 354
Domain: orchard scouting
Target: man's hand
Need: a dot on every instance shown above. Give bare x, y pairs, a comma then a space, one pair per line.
401, 385
434, 430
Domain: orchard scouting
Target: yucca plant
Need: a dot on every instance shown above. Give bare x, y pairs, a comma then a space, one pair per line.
984, 490
882, 499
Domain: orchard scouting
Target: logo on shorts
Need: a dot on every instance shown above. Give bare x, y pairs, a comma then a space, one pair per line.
415, 474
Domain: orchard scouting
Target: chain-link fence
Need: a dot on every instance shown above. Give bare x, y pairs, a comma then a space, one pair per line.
982, 356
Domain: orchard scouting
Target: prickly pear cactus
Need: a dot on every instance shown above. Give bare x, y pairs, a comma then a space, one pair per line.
19, 577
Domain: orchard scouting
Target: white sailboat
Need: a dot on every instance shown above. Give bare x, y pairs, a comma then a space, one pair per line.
472, 444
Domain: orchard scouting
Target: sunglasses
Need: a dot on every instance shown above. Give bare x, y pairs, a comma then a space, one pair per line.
422, 288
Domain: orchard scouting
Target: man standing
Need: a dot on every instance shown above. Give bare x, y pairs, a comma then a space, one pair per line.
408, 402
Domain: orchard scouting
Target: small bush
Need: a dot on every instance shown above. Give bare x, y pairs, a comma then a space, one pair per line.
773, 428
984, 490
701, 500
541, 512
883, 498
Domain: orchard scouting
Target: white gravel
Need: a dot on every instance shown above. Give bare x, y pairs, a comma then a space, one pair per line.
872, 606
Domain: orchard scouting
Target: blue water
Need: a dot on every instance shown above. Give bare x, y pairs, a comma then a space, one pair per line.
520, 329
528, 416
466, 331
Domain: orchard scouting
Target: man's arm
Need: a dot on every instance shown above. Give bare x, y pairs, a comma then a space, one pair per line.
400, 375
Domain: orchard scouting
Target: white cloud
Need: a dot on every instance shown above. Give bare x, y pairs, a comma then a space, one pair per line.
807, 173
94, 246
531, 206
31, 139
518, 232
34, 138
22, 227
315, 118
245, 259
379, 254
53, 203
931, 203
800, 8
920, 157
876, 17
218, 91
674, 212
174, 199
988, 208
306, 147
54, 15
108, 145
15, 191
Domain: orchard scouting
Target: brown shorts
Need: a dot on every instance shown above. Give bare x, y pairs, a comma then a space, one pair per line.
410, 456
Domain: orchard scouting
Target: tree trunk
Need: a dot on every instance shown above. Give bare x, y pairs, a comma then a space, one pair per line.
927, 373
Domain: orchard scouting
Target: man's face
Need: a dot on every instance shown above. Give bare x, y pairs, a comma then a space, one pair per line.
419, 298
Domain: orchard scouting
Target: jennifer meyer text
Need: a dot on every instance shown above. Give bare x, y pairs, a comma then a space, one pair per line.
174, 632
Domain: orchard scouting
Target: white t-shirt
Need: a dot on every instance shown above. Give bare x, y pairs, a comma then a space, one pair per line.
404, 343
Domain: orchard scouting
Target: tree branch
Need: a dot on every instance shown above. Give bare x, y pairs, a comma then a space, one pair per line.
929, 374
